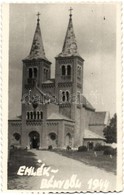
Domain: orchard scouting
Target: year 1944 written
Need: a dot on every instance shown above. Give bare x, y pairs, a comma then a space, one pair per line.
98, 185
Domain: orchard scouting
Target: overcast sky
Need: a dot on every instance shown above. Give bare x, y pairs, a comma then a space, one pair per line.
95, 30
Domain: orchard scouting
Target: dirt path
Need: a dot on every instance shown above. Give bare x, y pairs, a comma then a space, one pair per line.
65, 174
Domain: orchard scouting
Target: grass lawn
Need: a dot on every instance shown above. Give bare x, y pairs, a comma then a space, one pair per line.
101, 161
19, 157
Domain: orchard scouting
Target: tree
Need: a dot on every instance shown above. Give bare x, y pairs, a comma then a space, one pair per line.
110, 131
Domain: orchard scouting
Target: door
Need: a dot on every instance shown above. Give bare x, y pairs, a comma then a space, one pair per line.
34, 139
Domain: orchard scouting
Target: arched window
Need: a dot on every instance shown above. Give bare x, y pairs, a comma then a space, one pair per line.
41, 115
68, 70
30, 72
31, 115
35, 72
63, 96
46, 74
34, 115
38, 114
78, 71
63, 70
28, 116
67, 96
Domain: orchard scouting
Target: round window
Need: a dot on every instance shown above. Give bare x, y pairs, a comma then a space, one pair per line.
17, 136
52, 136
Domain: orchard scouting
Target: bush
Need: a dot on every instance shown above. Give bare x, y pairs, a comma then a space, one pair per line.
82, 148
50, 147
68, 148
98, 147
109, 151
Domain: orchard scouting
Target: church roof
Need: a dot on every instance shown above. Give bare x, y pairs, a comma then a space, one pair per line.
91, 135
70, 44
98, 118
58, 116
37, 48
87, 104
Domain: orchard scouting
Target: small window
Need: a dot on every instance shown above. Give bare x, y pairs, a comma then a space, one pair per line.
63, 70
68, 70
67, 96
63, 96
28, 115
78, 71
46, 74
41, 115
35, 72
17, 136
31, 115
38, 114
52, 136
34, 115
30, 72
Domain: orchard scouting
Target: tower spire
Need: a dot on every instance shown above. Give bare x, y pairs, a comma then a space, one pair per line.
70, 12
38, 19
70, 43
37, 48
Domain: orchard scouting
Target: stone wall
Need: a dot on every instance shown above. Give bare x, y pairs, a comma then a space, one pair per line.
65, 110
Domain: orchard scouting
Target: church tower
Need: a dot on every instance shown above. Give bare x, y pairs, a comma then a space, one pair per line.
36, 67
69, 79
36, 70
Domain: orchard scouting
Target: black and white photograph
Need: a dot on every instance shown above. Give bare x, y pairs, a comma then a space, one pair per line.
63, 133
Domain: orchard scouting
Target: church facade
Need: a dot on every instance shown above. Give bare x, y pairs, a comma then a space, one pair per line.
55, 113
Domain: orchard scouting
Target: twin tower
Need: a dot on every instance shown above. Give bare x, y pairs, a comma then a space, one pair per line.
67, 87
53, 110
55, 113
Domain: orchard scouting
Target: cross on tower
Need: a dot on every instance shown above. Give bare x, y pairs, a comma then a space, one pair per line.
38, 14
70, 11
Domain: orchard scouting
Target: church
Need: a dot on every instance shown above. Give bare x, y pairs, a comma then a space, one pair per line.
54, 112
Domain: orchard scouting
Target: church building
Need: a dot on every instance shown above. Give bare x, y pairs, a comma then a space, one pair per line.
55, 113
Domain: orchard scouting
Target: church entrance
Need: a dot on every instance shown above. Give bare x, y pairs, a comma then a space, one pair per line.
34, 139
90, 145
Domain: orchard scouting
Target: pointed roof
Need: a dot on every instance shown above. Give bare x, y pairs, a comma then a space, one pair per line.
99, 118
86, 104
88, 134
37, 48
70, 44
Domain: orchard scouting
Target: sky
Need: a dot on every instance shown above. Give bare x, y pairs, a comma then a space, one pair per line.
95, 30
